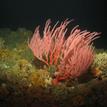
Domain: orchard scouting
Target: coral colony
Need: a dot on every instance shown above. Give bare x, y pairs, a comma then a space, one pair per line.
71, 57
56, 68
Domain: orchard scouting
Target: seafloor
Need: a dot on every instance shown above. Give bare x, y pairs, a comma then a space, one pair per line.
24, 83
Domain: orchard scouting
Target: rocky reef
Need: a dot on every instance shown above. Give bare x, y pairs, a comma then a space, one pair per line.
25, 82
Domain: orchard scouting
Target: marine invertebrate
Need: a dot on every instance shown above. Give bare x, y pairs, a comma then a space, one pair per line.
96, 72
100, 61
72, 56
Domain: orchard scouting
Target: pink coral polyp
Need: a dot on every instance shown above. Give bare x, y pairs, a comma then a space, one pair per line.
72, 56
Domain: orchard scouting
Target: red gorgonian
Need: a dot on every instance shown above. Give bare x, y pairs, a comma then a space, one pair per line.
72, 56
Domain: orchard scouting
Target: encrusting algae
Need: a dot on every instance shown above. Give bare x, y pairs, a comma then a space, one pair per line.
51, 70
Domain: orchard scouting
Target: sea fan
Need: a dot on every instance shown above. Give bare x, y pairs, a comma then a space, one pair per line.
48, 48
72, 56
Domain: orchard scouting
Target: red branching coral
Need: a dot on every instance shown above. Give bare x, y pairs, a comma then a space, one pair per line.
48, 48
72, 56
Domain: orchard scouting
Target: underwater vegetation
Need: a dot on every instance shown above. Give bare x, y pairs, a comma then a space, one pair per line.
52, 70
100, 63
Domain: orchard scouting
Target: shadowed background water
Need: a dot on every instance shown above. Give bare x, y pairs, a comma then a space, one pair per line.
89, 14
